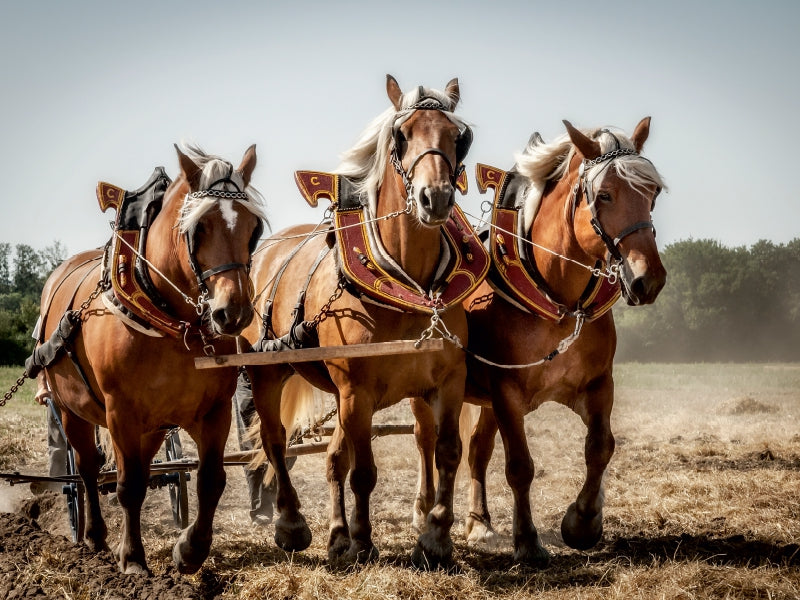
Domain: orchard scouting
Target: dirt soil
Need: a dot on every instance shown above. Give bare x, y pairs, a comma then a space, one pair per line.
23, 541
701, 502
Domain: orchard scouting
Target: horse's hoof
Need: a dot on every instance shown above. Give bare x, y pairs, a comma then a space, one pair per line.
354, 553
431, 554
96, 545
292, 536
95, 542
189, 556
481, 534
359, 552
532, 554
134, 569
580, 532
338, 544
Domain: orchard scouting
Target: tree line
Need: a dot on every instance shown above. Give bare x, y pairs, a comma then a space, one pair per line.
719, 304
23, 271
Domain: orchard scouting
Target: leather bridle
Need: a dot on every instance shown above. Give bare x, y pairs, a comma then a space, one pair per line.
203, 275
463, 143
584, 184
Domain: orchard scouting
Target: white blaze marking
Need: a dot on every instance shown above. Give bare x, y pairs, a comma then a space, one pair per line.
230, 215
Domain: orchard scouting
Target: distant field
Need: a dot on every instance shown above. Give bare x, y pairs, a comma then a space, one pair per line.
701, 502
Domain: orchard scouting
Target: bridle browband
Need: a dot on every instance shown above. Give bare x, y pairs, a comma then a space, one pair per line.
463, 143
203, 275
585, 184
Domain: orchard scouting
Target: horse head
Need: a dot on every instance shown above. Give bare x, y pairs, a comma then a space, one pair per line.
428, 147
614, 222
220, 222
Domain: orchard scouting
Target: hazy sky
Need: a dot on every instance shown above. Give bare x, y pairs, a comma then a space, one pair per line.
102, 90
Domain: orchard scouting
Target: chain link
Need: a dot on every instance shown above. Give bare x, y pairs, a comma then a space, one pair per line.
102, 285
588, 164
220, 194
314, 430
10, 393
323, 312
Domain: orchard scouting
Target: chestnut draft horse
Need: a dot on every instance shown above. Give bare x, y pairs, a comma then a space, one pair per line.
405, 165
584, 202
133, 371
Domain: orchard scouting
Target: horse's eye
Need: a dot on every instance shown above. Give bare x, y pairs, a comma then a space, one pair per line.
199, 229
604, 197
401, 142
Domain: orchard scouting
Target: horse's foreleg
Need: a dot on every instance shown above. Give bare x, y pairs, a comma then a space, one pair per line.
291, 530
355, 415
435, 547
338, 466
132, 477
519, 474
425, 436
87, 459
210, 435
478, 526
582, 525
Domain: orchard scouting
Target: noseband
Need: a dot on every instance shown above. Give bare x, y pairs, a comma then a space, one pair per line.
585, 184
203, 275
463, 143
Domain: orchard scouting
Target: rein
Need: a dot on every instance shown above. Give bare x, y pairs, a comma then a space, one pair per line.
132, 288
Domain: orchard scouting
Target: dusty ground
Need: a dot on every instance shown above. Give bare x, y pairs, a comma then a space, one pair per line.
701, 502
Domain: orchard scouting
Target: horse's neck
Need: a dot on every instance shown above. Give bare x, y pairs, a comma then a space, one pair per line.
553, 229
416, 249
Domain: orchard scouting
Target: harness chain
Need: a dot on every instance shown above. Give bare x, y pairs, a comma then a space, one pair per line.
102, 286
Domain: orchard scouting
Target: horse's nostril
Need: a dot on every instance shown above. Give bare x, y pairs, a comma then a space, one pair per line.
220, 316
229, 321
425, 198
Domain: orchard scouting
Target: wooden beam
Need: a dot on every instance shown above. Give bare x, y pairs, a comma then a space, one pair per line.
320, 353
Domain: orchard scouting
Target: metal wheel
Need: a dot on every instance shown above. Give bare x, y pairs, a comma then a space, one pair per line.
178, 492
74, 490
75, 495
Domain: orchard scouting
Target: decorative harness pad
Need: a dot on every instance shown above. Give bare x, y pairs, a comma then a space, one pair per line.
132, 291
514, 271
363, 262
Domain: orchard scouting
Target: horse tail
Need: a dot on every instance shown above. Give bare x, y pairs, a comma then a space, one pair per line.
301, 405
106, 447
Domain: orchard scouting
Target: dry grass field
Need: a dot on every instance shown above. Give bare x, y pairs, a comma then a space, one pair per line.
701, 502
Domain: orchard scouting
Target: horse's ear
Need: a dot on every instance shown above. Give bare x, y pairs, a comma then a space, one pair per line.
588, 147
248, 164
394, 92
641, 133
452, 90
190, 170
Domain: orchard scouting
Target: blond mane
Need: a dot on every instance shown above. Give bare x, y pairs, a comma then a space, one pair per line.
543, 162
215, 168
364, 162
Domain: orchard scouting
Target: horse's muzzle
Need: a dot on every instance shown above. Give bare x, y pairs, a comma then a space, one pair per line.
434, 204
231, 319
642, 288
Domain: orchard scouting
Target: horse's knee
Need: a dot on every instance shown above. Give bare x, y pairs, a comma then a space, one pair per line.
519, 470
363, 479
600, 445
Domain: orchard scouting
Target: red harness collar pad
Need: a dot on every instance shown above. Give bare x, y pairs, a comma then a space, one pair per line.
134, 211
515, 274
468, 266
